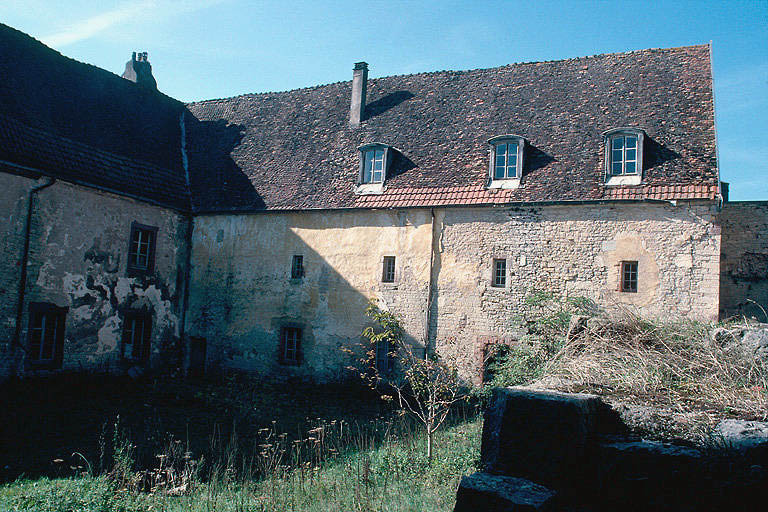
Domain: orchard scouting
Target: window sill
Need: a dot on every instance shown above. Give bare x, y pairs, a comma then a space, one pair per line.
296, 280
510, 183
367, 189
389, 286
635, 179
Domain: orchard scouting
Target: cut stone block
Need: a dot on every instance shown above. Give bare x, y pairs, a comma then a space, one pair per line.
496, 493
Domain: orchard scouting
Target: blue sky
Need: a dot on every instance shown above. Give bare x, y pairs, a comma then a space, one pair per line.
202, 49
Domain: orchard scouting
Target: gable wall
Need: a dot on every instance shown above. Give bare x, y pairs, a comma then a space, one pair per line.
242, 291
78, 248
744, 261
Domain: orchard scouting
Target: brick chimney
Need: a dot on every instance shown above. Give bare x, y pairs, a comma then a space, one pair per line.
139, 70
359, 85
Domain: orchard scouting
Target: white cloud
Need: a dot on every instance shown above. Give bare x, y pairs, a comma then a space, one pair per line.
151, 10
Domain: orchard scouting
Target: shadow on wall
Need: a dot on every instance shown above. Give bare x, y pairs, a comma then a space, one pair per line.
215, 178
252, 304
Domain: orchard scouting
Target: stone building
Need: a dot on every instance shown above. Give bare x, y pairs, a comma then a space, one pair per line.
250, 232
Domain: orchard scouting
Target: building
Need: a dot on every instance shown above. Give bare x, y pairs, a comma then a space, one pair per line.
250, 232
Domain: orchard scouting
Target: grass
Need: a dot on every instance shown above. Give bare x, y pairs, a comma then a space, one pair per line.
102, 443
393, 476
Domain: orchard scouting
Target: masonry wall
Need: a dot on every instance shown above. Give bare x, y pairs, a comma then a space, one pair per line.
575, 251
78, 258
744, 260
243, 294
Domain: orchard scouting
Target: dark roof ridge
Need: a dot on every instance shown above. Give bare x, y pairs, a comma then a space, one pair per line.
452, 71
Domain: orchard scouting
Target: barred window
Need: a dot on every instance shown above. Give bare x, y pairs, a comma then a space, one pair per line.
499, 273
297, 267
137, 336
290, 345
388, 270
45, 347
141, 251
629, 276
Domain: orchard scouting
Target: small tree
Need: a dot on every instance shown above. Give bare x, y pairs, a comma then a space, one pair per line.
426, 388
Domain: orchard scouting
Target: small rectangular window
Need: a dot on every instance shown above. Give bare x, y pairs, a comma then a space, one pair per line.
46, 335
388, 270
624, 154
290, 345
141, 250
499, 273
137, 336
629, 276
384, 356
297, 267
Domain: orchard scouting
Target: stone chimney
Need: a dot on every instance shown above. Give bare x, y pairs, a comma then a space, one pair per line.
139, 70
359, 85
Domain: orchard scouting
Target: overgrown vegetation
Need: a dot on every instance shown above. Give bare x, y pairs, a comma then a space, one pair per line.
670, 364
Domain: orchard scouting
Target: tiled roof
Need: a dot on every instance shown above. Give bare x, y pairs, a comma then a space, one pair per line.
54, 108
295, 149
478, 195
78, 163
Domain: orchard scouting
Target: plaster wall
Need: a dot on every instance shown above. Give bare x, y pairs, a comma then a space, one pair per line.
744, 260
77, 259
243, 292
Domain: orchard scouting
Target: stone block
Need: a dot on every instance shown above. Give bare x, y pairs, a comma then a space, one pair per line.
497, 493
748, 438
545, 436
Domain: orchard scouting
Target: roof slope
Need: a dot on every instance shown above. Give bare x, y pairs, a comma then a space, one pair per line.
295, 149
53, 108
78, 163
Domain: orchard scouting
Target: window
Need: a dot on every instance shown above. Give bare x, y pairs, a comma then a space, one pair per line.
624, 151
46, 335
297, 267
629, 276
384, 359
137, 336
290, 345
506, 157
388, 270
499, 273
374, 161
141, 251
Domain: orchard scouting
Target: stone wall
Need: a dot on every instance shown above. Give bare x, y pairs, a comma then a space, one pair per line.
744, 259
575, 251
243, 294
78, 259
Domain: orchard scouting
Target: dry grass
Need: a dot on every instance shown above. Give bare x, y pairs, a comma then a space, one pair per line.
674, 365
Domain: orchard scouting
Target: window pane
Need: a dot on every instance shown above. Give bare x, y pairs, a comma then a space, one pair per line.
499, 174
512, 149
500, 160
501, 149
617, 156
616, 168
631, 154
367, 167
630, 142
629, 167
512, 171
618, 143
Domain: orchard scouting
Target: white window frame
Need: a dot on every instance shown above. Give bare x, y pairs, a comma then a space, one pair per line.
373, 185
623, 177
507, 181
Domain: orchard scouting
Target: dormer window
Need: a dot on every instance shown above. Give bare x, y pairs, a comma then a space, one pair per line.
373, 166
506, 167
624, 156
374, 162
